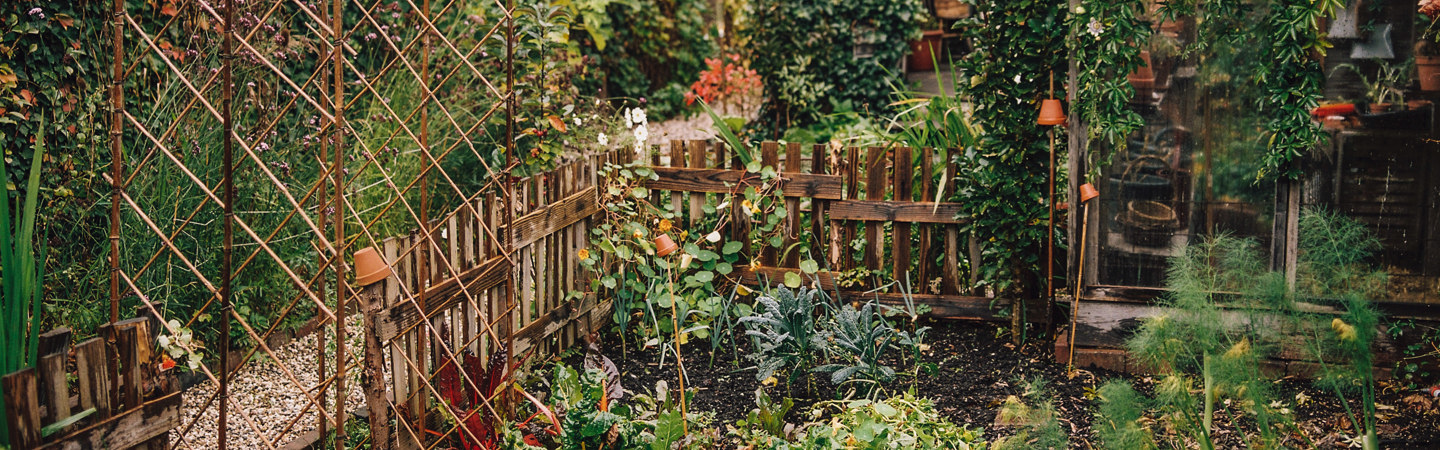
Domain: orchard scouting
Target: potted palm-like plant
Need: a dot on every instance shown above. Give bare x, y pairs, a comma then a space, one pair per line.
1386, 88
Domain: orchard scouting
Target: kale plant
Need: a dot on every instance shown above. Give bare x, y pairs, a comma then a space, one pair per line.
783, 332
856, 339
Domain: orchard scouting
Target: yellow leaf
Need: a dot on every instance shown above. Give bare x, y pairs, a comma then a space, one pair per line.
556, 122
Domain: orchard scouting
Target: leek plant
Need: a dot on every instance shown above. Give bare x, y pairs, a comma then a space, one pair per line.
21, 277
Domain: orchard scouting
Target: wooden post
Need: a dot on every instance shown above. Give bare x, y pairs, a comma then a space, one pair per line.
875, 181
372, 298
818, 236
927, 194
904, 183
697, 200
792, 210
769, 157
23, 408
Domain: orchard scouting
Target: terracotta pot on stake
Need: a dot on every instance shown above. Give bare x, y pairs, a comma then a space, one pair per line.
1087, 193
664, 246
1051, 113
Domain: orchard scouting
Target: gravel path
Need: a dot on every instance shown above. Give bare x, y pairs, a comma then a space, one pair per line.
697, 126
262, 390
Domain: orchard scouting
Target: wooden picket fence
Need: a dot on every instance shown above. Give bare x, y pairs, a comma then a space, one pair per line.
467, 306
881, 197
455, 288
135, 404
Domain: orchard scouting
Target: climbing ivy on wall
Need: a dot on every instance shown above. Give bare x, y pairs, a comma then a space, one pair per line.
1104, 49
1002, 180
1293, 82
811, 53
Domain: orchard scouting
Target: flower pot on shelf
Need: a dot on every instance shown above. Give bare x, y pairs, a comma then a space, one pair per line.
1428, 68
664, 246
1143, 79
927, 50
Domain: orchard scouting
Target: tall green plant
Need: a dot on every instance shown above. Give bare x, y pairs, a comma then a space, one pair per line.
1002, 179
22, 277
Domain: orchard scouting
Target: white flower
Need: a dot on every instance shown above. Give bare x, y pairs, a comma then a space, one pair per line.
1094, 28
577, 121
604, 140
164, 340
640, 118
642, 133
713, 237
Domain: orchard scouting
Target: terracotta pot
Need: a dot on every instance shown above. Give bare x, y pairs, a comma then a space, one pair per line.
1377, 108
921, 51
1429, 72
664, 246
1087, 192
1051, 113
1143, 78
370, 268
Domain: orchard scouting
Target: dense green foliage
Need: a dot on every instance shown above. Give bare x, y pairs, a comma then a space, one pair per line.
53, 61
1002, 179
811, 53
655, 49
1104, 51
22, 264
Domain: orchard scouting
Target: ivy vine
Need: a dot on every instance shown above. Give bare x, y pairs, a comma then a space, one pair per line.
1002, 180
1292, 82
1105, 49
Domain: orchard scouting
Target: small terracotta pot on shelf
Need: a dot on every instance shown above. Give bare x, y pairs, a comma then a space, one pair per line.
1428, 71
370, 268
664, 246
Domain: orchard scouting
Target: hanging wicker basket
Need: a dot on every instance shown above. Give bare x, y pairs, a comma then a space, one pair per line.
1147, 223
951, 9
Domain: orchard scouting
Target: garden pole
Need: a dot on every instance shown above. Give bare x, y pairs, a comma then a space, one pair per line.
337, 21
227, 59
508, 243
1050, 230
117, 133
1087, 193
424, 259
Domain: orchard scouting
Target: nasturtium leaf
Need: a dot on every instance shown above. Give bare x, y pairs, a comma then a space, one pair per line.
809, 266
704, 276
732, 247
792, 280
724, 268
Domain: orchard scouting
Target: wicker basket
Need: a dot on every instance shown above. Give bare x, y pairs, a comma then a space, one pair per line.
1147, 223
951, 9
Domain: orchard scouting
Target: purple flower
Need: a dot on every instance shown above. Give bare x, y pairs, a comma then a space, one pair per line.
37, 12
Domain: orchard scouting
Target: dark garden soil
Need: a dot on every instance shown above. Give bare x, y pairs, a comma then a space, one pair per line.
978, 368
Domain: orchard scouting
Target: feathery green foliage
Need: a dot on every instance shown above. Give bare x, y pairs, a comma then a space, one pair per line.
1118, 422
1035, 415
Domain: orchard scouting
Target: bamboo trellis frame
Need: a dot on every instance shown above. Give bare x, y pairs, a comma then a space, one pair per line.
431, 58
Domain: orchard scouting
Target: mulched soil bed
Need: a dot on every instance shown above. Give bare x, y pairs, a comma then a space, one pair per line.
978, 370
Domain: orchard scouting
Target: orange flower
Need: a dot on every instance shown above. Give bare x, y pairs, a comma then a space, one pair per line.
664, 226
584, 254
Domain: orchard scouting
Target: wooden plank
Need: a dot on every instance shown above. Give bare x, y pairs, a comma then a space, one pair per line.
402, 316
22, 408
54, 341
127, 342
792, 210
53, 389
581, 309
92, 377
958, 307
819, 154
724, 181
697, 200
889, 211
851, 169
677, 160
769, 157
927, 194
903, 182
128, 429
876, 181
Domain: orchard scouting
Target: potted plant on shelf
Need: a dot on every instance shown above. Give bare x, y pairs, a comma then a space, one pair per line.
929, 48
1427, 52
1386, 88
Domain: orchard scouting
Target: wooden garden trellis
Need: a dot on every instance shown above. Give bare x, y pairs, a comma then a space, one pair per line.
260, 38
